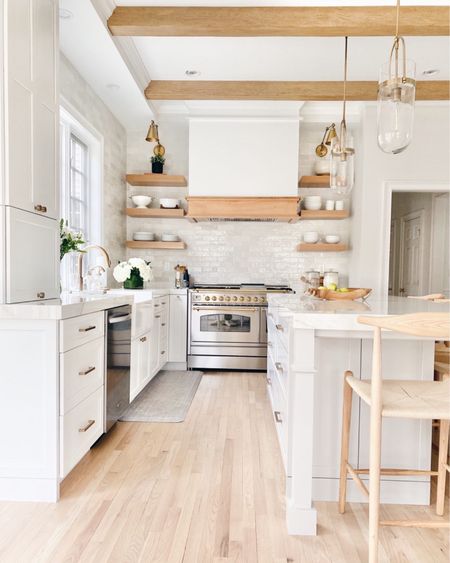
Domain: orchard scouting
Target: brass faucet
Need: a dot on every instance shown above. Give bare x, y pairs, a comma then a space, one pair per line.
80, 261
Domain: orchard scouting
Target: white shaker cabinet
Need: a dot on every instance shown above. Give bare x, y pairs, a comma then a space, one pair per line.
32, 265
32, 114
177, 328
29, 139
141, 353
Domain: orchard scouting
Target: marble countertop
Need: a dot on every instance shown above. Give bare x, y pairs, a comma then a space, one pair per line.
308, 312
76, 304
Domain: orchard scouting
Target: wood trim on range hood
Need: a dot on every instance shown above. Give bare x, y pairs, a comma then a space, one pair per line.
240, 208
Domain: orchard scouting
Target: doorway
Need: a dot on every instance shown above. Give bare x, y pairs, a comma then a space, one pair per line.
419, 243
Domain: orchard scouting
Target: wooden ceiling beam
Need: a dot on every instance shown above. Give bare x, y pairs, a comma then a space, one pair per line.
281, 91
362, 21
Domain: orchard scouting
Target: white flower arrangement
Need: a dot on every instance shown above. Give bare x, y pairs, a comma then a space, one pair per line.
123, 270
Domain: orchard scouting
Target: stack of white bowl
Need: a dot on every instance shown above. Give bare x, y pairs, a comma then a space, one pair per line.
143, 235
312, 202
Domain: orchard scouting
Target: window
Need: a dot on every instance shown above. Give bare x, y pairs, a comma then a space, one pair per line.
81, 181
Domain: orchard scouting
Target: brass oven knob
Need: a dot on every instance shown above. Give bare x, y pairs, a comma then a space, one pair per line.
255, 299
249, 298
234, 298
214, 298
241, 298
227, 298
207, 298
221, 298
262, 299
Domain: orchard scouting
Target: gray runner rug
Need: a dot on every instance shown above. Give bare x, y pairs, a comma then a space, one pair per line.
166, 398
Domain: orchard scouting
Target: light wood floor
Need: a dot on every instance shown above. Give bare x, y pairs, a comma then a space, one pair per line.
206, 490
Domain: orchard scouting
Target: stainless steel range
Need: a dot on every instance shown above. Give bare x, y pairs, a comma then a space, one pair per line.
228, 326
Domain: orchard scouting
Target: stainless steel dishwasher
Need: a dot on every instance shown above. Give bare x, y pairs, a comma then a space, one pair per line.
118, 354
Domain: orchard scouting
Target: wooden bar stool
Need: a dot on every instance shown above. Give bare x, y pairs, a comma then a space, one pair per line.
398, 399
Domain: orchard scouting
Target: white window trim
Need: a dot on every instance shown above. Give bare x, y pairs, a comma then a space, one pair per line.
77, 124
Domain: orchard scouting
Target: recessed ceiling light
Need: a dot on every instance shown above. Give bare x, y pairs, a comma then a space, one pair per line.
430, 72
65, 14
113, 87
192, 72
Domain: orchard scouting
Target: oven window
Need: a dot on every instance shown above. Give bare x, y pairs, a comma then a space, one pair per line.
224, 323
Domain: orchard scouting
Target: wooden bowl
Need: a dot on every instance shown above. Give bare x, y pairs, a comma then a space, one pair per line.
352, 294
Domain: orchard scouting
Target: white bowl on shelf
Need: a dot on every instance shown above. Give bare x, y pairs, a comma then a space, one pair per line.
332, 239
168, 237
143, 235
169, 202
312, 202
311, 237
141, 201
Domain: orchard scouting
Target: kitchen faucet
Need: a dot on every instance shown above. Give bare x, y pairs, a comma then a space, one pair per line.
80, 261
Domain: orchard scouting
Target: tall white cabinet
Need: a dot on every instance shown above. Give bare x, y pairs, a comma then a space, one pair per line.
29, 187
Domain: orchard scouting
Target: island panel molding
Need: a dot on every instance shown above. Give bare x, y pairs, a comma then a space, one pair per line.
319, 91
356, 21
157, 180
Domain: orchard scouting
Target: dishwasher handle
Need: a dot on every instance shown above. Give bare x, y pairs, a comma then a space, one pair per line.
119, 319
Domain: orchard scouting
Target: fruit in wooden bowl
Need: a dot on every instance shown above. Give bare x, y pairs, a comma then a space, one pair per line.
344, 293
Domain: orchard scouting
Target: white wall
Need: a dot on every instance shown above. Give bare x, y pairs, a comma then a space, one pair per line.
425, 160
226, 252
80, 95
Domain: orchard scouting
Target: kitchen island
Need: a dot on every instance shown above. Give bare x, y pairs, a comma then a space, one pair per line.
311, 344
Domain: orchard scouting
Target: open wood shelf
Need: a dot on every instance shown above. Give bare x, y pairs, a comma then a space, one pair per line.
156, 244
157, 180
324, 214
314, 181
322, 247
154, 212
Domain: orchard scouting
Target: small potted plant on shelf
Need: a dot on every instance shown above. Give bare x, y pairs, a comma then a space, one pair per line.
157, 164
133, 273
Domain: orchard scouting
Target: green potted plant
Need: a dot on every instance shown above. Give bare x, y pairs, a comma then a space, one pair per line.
157, 164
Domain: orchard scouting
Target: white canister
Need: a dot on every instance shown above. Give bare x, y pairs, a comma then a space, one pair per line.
339, 205
329, 204
329, 277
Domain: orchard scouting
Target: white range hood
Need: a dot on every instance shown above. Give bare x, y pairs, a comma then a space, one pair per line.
243, 168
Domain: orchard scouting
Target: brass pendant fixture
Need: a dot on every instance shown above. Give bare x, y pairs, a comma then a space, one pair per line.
396, 96
330, 133
153, 137
342, 151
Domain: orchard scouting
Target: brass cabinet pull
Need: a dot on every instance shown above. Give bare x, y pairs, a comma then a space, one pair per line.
157, 316
279, 366
157, 305
86, 371
279, 327
163, 302
86, 427
143, 339
40, 294
163, 324
40, 208
87, 328
277, 415
162, 353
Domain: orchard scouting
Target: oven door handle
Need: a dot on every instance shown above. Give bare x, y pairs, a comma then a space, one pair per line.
220, 308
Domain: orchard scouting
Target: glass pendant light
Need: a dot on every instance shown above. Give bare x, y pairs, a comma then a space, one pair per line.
342, 172
396, 95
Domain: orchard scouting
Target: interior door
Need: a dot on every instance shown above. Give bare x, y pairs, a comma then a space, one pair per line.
411, 254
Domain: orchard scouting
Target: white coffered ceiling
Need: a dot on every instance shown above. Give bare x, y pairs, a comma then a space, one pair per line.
223, 58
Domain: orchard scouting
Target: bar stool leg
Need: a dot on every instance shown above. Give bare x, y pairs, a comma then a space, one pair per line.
345, 440
442, 471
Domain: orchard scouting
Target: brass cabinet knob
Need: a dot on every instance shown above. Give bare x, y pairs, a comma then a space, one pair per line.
41, 208
40, 294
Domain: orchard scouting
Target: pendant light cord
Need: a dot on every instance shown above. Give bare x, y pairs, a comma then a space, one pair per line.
397, 18
345, 78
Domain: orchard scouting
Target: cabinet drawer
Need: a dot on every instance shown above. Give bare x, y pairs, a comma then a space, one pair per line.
80, 330
279, 410
80, 428
142, 318
82, 372
161, 303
